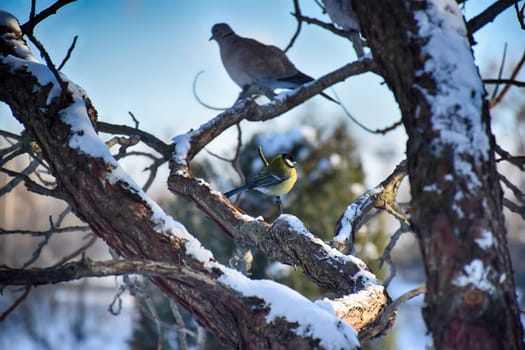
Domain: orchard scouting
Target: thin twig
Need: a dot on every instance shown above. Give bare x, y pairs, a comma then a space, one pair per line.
513, 76
181, 327
298, 16
387, 253
361, 125
44, 233
68, 54
49, 63
500, 72
199, 100
488, 15
387, 315
505, 81
17, 302
35, 19
77, 252
520, 14
135, 120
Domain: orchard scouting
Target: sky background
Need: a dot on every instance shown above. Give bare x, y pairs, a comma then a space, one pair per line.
142, 56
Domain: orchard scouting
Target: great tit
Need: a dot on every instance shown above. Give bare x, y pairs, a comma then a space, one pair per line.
275, 179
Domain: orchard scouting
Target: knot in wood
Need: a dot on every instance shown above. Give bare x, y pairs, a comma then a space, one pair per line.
474, 297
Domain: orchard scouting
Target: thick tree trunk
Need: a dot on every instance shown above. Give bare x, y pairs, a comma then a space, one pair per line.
423, 51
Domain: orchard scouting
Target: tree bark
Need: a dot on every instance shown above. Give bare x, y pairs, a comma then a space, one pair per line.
456, 197
59, 117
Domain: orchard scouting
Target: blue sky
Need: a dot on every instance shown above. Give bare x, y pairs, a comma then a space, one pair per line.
142, 56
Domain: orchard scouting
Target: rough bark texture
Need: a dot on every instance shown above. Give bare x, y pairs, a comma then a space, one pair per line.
458, 316
116, 213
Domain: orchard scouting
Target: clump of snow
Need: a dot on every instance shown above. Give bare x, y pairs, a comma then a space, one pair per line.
245, 218
457, 101
476, 275
283, 302
182, 147
40, 71
278, 270
485, 239
84, 137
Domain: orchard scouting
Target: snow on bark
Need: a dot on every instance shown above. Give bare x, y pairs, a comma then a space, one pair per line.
458, 99
283, 302
476, 274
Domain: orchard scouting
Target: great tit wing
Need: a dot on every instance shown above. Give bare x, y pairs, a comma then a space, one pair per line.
265, 179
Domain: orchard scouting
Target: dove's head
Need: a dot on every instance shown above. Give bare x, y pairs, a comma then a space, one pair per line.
220, 31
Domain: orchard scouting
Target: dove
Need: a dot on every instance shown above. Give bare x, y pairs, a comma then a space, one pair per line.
257, 67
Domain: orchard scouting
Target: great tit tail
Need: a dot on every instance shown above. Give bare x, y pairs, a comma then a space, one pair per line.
237, 190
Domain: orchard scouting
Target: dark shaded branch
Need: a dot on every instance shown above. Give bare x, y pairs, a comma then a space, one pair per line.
68, 54
505, 81
149, 139
37, 18
488, 15
85, 268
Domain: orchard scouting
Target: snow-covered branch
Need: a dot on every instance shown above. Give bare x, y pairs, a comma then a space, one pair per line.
117, 210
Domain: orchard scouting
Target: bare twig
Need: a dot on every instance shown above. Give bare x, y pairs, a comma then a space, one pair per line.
158, 323
513, 207
516, 161
298, 16
505, 81
34, 19
68, 54
488, 15
500, 72
328, 26
387, 315
183, 344
520, 14
499, 98
149, 139
44, 233
18, 177
196, 95
77, 252
361, 125
17, 302
387, 253
115, 307
49, 62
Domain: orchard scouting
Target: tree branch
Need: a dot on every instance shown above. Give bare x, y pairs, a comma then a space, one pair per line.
29, 26
488, 15
188, 145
